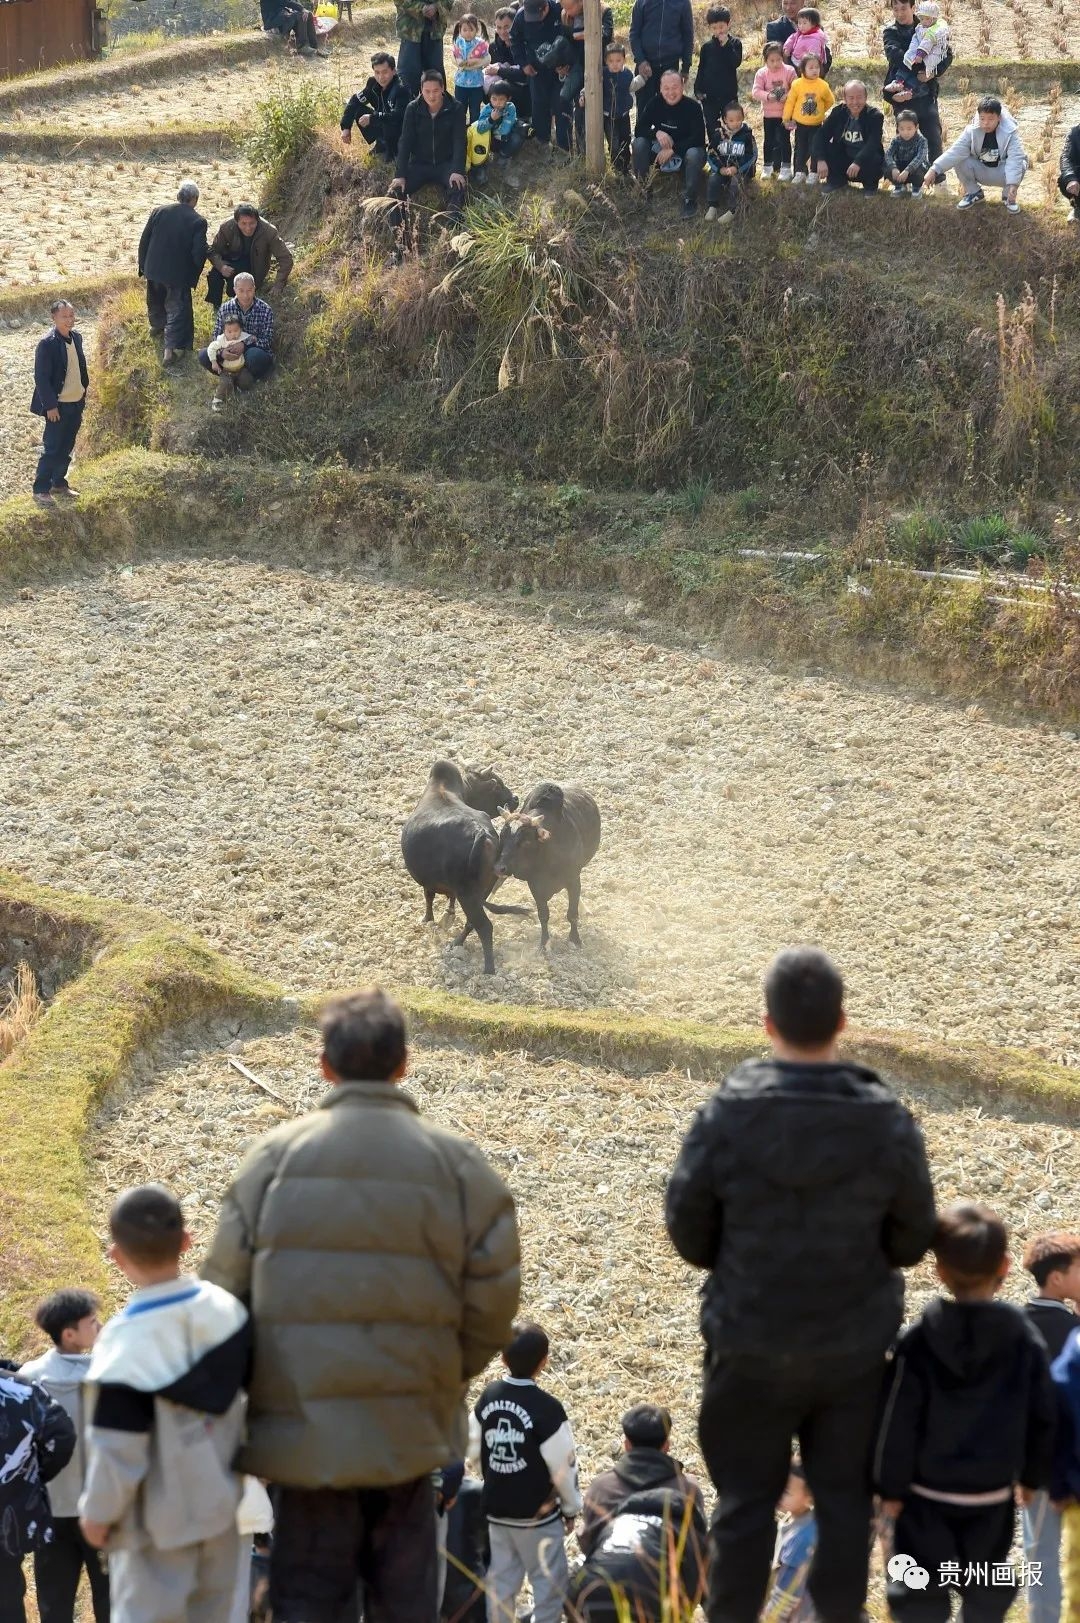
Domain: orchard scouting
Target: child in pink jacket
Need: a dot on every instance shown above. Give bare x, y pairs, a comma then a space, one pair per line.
771, 85
809, 39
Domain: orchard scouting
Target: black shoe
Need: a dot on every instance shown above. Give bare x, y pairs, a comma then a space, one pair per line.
65, 491
689, 207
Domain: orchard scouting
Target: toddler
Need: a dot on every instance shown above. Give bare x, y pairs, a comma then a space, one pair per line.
808, 39
908, 158
796, 1541
771, 85
618, 105
928, 49
471, 55
226, 357
500, 121
732, 160
808, 101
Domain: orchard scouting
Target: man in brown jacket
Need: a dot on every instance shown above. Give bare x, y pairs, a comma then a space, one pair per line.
379, 1258
247, 242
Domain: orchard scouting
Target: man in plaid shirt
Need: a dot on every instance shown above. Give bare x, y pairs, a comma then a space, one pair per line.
256, 318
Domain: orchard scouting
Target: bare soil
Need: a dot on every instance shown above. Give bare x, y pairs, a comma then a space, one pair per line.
238, 745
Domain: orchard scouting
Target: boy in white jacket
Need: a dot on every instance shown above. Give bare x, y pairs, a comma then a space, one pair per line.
988, 153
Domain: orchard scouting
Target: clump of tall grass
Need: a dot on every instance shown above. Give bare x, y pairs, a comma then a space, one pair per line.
287, 121
20, 1006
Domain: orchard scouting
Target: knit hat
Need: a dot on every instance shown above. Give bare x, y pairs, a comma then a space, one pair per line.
928, 9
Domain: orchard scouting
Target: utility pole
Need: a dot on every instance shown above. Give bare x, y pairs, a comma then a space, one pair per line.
594, 91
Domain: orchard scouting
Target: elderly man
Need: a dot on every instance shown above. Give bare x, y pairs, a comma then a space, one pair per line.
255, 317
172, 253
988, 153
671, 135
247, 242
1069, 170
849, 149
896, 38
431, 151
60, 384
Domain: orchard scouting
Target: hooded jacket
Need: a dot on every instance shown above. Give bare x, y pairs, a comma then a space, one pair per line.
266, 245
633, 1472
1012, 163
37, 1439
379, 1256
662, 33
435, 141
63, 1375
172, 248
970, 1408
628, 1572
802, 1189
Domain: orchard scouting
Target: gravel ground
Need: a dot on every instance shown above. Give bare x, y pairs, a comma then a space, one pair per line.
238, 745
20, 432
587, 1152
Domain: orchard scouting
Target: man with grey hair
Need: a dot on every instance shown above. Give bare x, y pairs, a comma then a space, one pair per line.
849, 150
257, 319
172, 253
60, 384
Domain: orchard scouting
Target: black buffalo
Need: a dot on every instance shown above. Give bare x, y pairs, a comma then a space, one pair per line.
450, 845
547, 843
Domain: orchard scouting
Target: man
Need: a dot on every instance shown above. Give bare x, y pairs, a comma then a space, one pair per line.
247, 242
896, 38
286, 17
379, 1258
535, 35
849, 147
61, 380
633, 1515
661, 37
781, 28
37, 1439
672, 128
1069, 170
256, 318
431, 151
378, 110
172, 253
988, 153
421, 26
803, 1187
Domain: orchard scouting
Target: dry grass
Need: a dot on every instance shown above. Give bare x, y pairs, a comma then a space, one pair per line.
20, 1007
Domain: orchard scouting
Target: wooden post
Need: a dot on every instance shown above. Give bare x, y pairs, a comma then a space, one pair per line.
594, 91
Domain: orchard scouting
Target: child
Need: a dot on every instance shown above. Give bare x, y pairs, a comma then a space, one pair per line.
503, 66
809, 38
908, 157
969, 1418
226, 357
928, 49
37, 1439
499, 120
1053, 1261
796, 1540
732, 161
254, 1521
378, 109
808, 102
166, 1422
70, 1319
618, 105
471, 56
717, 83
522, 1438
771, 85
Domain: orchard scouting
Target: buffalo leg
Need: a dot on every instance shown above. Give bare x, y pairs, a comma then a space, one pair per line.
477, 919
573, 899
543, 913
429, 898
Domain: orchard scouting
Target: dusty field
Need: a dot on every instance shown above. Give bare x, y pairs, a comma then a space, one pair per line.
238, 745
587, 1153
20, 432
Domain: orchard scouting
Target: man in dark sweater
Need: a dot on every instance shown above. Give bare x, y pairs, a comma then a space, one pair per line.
671, 135
803, 1187
431, 151
716, 84
849, 149
60, 384
969, 1419
1069, 170
895, 39
661, 37
1053, 1261
172, 253
379, 109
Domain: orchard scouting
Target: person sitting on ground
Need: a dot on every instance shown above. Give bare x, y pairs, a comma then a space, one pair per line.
37, 1441
907, 159
618, 106
247, 242
808, 102
796, 1542
521, 1438
256, 319
172, 253
70, 1319
226, 357
503, 65
1053, 1261
637, 1517
809, 39
924, 56
61, 380
923, 101
1069, 171
378, 110
849, 148
671, 135
286, 17
969, 1420
732, 161
802, 1186
989, 152
716, 84
472, 54
772, 82
434, 124
499, 120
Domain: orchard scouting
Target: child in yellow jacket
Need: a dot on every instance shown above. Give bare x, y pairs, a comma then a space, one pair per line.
809, 99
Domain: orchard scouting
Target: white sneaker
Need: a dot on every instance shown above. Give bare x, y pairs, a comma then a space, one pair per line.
726, 219
1013, 208
768, 172
710, 213
901, 191
811, 180
785, 171
217, 405
799, 179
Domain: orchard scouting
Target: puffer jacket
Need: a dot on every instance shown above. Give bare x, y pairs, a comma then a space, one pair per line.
62, 1375
803, 1189
379, 1258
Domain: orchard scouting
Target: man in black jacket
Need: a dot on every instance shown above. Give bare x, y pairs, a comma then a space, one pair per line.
172, 253
1069, 170
661, 37
37, 1439
431, 151
536, 34
60, 384
379, 109
672, 128
849, 149
803, 1187
896, 38
782, 27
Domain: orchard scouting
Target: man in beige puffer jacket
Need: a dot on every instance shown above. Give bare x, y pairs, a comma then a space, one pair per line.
379, 1258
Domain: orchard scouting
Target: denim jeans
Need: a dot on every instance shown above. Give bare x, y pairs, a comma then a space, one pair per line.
1042, 1544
